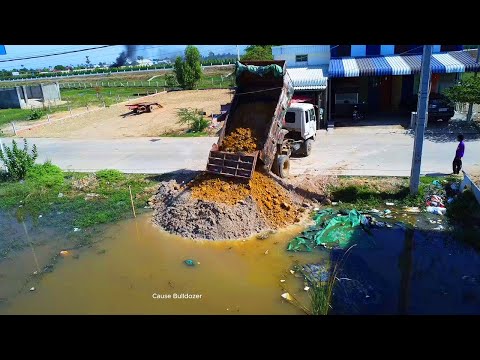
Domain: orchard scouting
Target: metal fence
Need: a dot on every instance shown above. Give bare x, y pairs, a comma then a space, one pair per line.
222, 82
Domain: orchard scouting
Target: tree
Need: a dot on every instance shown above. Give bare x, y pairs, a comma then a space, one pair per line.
467, 91
59, 67
139, 57
87, 61
258, 52
188, 71
178, 71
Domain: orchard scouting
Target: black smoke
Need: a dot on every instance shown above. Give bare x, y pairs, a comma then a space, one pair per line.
128, 54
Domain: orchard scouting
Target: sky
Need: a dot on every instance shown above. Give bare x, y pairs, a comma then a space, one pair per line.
96, 55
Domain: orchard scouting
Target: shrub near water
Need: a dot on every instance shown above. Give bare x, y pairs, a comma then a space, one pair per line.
46, 174
18, 161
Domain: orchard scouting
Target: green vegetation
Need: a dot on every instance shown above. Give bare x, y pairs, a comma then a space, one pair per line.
78, 200
467, 91
45, 174
258, 52
18, 161
36, 114
189, 71
370, 192
193, 118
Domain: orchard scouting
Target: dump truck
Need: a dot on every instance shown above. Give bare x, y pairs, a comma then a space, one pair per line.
262, 97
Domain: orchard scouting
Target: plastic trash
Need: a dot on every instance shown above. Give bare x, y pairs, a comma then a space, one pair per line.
387, 211
450, 200
40, 216
266, 252
60, 195
375, 211
64, 253
292, 272
282, 280
334, 203
436, 210
32, 289
389, 204
76, 229
306, 288
437, 183
454, 186
439, 227
190, 262
412, 209
287, 296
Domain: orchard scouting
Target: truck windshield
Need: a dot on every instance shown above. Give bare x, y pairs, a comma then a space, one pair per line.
290, 117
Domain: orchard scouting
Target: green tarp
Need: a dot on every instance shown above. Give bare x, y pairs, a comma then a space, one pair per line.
259, 70
330, 230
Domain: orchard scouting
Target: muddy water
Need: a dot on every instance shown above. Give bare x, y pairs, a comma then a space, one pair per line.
136, 260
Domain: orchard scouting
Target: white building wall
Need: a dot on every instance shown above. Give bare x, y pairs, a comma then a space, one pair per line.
318, 55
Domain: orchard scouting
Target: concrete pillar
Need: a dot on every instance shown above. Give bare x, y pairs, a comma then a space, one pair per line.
21, 103
24, 88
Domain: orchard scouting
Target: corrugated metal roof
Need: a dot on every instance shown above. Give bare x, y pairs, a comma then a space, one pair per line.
451, 62
308, 78
300, 49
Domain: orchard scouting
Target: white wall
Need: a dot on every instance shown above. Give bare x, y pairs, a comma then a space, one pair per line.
314, 59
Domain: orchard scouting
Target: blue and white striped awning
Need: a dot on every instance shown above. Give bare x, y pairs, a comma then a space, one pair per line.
308, 78
451, 62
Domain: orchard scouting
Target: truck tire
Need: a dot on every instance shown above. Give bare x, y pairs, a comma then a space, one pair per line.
282, 166
308, 147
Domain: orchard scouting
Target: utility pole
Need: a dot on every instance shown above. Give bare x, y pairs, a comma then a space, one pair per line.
470, 106
3, 151
238, 54
422, 108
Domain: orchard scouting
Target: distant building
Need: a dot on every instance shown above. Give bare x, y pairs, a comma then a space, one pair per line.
144, 62
19, 96
15, 73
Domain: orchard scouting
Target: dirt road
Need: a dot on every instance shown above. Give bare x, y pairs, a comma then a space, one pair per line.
117, 122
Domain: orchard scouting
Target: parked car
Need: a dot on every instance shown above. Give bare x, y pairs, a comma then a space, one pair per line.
439, 107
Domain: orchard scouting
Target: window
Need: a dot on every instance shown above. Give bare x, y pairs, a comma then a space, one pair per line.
301, 58
307, 117
346, 98
344, 50
312, 114
290, 117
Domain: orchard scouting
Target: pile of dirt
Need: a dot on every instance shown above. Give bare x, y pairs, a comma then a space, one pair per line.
178, 212
240, 140
219, 189
211, 207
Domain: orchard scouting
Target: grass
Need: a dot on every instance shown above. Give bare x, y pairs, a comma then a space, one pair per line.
369, 192
186, 134
39, 195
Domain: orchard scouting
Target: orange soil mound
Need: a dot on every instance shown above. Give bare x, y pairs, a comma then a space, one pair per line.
272, 199
241, 139
219, 189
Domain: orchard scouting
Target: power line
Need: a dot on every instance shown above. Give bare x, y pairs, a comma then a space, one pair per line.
60, 53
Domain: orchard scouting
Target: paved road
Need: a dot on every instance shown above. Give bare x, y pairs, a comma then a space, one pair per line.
346, 151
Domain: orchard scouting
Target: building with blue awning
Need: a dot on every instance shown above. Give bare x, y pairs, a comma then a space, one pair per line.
383, 79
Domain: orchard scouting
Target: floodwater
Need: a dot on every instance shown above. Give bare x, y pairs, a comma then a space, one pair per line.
402, 270
136, 260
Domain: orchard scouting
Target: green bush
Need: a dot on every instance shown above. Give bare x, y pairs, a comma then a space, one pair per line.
110, 176
18, 161
45, 174
193, 118
36, 114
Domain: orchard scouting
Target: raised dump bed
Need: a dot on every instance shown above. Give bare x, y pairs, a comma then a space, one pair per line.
263, 94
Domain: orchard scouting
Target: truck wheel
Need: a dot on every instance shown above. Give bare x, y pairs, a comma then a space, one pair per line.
308, 147
282, 166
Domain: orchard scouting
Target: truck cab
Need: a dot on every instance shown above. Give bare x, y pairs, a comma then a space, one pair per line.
301, 122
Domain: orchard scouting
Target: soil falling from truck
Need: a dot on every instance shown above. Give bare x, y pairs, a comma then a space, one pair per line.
240, 140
